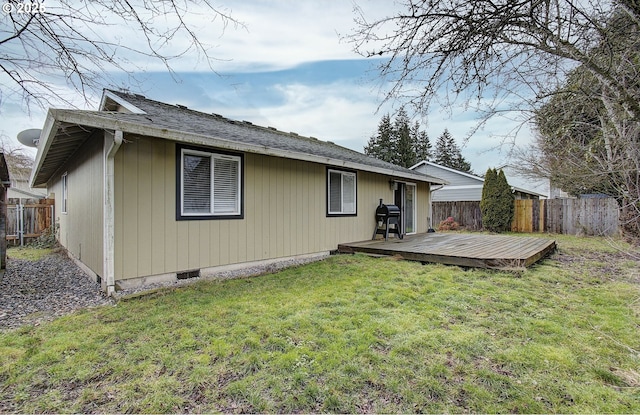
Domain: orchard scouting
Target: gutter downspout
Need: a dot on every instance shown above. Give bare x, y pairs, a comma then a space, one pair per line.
431, 207
112, 142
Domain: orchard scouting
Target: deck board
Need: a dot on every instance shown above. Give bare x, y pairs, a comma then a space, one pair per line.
470, 250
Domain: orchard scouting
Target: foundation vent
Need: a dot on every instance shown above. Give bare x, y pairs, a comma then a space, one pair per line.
188, 274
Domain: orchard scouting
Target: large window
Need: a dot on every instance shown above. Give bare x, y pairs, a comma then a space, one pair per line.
209, 184
341, 192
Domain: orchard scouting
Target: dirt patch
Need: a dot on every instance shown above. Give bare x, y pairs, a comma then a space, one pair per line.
603, 266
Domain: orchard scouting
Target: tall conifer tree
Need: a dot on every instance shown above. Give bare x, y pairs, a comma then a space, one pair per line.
405, 155
448, 154
497, 204
380, 145
422, 145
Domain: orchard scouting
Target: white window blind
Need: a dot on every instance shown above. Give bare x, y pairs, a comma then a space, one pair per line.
225, 186
64, 193
335, 192
341, 192
349, 193
211, 184
196, 184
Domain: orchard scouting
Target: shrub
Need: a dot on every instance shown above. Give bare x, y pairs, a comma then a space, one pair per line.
497, 204
448, 225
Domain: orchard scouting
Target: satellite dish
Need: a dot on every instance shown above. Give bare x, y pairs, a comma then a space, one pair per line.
30, 137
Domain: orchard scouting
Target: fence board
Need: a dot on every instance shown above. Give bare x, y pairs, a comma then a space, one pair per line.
35, 219
467, 214
569, 216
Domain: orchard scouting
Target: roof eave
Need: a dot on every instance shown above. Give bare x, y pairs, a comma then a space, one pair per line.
46, 138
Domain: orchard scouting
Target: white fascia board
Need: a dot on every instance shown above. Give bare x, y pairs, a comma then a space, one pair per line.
469, 186
449, 169
46, 138
124, 103
521, 190
97, 121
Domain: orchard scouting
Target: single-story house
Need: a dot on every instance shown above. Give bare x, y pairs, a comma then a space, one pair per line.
148, 191
462, 186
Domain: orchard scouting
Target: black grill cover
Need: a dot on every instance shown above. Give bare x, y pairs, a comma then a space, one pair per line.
384, 211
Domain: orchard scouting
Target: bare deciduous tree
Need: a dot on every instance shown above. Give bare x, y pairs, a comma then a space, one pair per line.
18, 161
505, 55
77, 44
489, 50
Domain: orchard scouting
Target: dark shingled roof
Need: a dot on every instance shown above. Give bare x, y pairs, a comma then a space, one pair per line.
66, 130
181, 118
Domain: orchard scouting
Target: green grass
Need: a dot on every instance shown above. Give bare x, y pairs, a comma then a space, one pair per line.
350, 334
28, 253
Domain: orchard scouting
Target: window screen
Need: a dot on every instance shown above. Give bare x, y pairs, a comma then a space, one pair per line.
210, 184
341, 193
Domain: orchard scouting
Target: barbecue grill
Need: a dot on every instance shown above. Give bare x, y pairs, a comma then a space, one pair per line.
387, 215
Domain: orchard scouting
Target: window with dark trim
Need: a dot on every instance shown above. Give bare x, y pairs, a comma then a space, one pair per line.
341, 193
209, 184
64, 193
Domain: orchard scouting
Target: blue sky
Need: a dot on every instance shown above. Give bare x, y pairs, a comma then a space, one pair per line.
290, 69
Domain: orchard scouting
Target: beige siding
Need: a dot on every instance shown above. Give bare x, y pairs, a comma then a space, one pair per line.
81, 228
284, 213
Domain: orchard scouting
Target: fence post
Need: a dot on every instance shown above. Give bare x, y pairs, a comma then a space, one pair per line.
20, 222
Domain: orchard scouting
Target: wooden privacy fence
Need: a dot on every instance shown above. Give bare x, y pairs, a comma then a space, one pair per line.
467, 214
27, 221
564, 216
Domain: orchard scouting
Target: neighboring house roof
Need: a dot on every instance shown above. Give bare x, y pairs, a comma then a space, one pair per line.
18, 193
458, 180
66, 130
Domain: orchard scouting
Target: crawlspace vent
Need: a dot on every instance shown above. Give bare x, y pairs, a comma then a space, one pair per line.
188, 274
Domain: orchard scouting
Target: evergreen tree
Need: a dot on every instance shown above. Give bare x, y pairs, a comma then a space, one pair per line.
497, 204
380, 145
422, 145
461, 164
399, 142
404, 149
448, 154
443, 153
507, 201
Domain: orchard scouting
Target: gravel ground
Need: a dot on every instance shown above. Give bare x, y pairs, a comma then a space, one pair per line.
36, 291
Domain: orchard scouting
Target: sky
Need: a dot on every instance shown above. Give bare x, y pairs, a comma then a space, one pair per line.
288, 67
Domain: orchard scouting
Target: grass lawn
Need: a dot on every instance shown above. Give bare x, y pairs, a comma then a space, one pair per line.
28, 253
350, 334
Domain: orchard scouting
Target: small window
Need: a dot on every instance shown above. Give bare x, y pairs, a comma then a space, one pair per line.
341, 193
64, 193
209, 185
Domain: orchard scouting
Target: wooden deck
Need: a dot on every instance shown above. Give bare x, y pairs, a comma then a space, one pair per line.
467, 250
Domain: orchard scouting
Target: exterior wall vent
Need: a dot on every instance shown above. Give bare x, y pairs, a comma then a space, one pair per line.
188, 274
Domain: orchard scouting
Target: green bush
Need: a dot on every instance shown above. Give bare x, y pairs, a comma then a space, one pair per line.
497, 204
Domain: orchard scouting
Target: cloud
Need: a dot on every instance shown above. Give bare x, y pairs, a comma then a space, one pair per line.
289, 69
